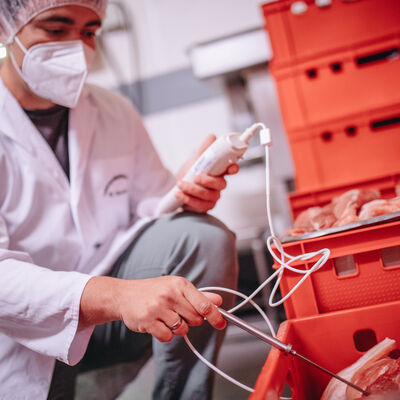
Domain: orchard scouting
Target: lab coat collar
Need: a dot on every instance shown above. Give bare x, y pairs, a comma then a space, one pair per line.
82, 124
18, 127
21, 130
15, 128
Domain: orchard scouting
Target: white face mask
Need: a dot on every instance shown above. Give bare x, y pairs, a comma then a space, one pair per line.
56, 71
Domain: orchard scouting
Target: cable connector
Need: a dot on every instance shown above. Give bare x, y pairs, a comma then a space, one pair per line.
265, 137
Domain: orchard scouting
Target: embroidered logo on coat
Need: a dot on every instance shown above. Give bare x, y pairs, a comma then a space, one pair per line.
117, 186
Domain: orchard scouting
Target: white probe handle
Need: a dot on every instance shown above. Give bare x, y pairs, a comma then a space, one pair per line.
215, 160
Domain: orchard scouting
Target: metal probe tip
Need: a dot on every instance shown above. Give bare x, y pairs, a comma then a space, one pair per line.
364, 392
286, 348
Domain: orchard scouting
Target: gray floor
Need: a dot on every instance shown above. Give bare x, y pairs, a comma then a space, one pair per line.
242, 357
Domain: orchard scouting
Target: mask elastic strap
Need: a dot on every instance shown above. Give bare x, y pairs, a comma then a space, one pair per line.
14, 62
21, 46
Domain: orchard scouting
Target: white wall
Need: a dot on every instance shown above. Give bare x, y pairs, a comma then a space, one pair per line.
166, 29
179, 132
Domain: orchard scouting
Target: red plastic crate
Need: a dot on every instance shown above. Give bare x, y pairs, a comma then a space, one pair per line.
367, 248
363, 269
348, 150
323, 30
334, 340
340, 84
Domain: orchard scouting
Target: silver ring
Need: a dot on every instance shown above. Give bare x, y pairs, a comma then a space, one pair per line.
176, 325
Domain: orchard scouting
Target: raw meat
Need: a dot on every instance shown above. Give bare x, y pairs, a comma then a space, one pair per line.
347, 206
379, 207
340, 211
352, 206
337, 390
380, 378
314, 219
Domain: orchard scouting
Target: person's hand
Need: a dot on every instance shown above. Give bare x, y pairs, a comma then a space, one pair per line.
155, 305
203, 194
163, 307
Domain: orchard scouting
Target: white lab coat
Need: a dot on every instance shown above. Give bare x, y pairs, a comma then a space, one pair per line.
55, 234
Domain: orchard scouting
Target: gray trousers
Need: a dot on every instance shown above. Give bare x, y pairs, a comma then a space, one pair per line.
199, 248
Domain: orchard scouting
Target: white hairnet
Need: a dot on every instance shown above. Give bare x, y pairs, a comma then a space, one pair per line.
14, 14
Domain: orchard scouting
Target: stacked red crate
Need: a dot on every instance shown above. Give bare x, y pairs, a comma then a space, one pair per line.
314, 29
337, 67
347, 150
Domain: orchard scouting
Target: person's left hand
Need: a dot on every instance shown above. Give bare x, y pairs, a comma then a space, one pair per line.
203, 194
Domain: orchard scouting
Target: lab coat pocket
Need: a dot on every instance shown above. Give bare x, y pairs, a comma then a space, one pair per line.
110, 179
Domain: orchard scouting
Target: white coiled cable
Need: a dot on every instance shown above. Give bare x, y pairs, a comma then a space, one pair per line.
281, 258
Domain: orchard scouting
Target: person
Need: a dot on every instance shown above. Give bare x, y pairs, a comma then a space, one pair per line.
88, 271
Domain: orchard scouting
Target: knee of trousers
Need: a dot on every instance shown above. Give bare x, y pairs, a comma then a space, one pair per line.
210, 250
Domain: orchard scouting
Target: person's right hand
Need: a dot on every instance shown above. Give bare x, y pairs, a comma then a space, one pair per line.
203, 193
149, 305
153, 305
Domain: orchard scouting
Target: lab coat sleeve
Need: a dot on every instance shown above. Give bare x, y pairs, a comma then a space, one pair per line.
39, 308
152, 179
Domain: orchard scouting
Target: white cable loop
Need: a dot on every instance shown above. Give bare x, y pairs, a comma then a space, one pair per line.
212, 366
284, 260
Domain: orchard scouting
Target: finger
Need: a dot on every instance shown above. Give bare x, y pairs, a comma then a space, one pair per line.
233, 169
179, 306
215, 298
210, 182
171, 318
191, 203
188, 313
199, 191
206, 143
182, 330
160, 331
205, 307
194, 319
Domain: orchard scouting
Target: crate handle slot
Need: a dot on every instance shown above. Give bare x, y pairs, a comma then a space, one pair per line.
351, 130
391, 256
345, 265
312, 73
385, 123
287, 389
385, 55
336, 67
326, 136
364, 339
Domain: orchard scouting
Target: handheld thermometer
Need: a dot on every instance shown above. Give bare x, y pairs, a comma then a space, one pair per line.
215, 160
